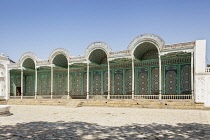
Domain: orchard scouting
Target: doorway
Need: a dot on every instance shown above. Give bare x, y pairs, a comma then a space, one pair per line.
18, 91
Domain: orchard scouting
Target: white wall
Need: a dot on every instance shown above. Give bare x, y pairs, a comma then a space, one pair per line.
200, 82
200, 56
4, 60
199, 70
207, 92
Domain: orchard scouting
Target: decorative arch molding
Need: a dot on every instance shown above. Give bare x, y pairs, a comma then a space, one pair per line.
97, 45
151, 38
26, 56
57, 52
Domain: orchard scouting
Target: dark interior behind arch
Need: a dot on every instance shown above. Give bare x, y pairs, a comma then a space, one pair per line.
29, 63
98, 56
146, 51
60, 60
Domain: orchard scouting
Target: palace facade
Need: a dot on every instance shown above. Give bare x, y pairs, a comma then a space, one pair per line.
147, 69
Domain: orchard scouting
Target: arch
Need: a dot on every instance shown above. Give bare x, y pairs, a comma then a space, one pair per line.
97, 46
28, 60
151, 38
59, 51
60, 60
145, 51
29, 63
60, 57
98, 56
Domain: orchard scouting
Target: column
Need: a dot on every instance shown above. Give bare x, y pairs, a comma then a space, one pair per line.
133, 77
36, 81
160, 79
68, 97
109, 82
7, 82
192, 76
22, 83
88, 76
51, 81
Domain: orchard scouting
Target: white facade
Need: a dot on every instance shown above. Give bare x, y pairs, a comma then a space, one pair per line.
200, 74
4, 60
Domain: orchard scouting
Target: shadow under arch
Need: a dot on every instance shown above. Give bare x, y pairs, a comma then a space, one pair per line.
28, 63
60, 62
60, 57
147, 75
97, 54
29, 66
146, 51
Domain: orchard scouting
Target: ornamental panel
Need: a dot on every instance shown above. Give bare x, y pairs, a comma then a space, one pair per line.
142, 81
155, 80
59, 84
12, 85
29, 86
185, 79
85, 83
77, 83
128, 81
105, 82
171, 80
118, 82
96, 83
70, 83
151, 54
18, 81
44, 87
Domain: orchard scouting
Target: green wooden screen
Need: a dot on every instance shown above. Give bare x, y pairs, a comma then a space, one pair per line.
29, 85
44, 84
176, 80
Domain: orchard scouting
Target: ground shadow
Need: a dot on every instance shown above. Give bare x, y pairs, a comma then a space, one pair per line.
83, 130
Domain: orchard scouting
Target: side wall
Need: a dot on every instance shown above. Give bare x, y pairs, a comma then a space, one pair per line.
201, 79
203, 89
4, 76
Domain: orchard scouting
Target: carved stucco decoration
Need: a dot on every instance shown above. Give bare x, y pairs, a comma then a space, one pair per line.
97, 45
57, 52
26, 56
200, 89
75, 59
180, 45
154, 39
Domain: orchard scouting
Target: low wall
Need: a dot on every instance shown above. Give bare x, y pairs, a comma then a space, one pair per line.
202, 89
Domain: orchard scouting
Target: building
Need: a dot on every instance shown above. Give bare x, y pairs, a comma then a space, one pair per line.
4, 61
147, 69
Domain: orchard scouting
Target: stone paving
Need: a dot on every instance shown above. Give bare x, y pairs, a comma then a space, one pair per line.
60, 122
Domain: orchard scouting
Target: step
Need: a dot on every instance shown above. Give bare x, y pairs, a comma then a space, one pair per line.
56, 102
3, 102
75, 103
109, 103
144, 104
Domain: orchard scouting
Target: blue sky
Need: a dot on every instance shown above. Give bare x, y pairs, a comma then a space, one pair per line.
40, 26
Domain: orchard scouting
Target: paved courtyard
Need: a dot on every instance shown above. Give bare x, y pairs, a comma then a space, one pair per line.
60, 122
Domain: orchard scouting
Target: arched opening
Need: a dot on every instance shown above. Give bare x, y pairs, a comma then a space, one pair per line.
29, 63
28, 78
98, 56
98, 72
60, 60
147, 69
60, 75
146, 51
